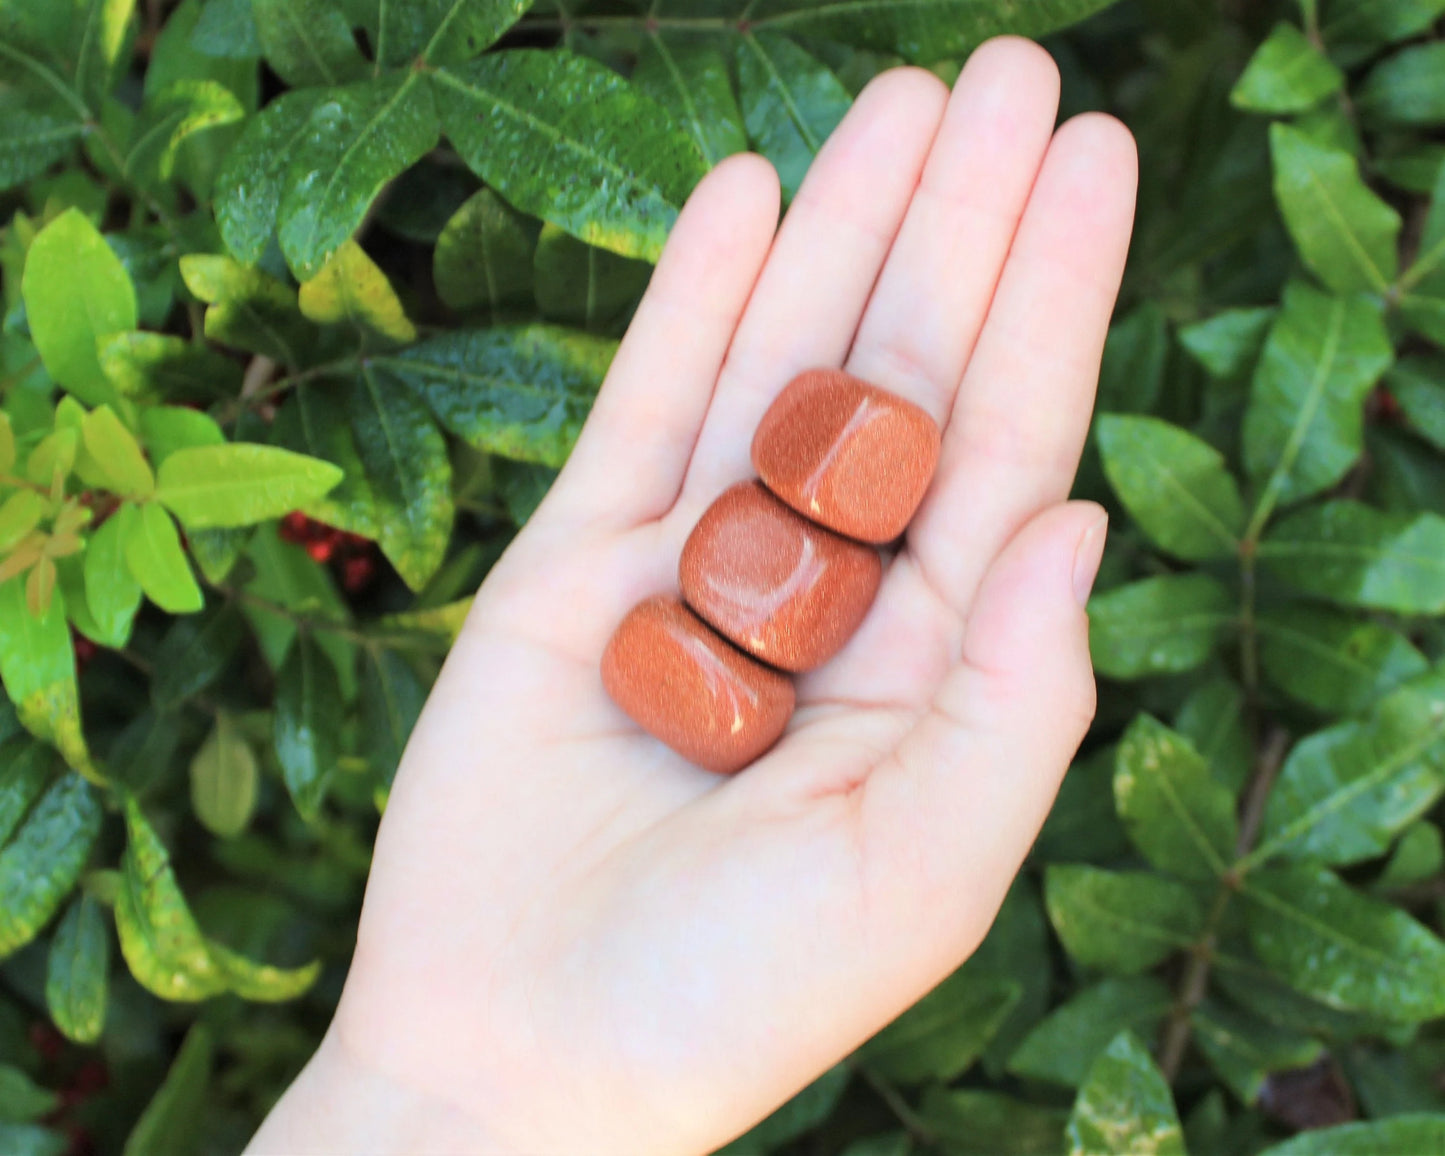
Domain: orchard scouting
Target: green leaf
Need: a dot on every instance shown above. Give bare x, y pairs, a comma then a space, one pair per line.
1407, 88
21, 1099
404, 458
1424, 1132
1303, 428
172, 1120
443, 31
1062, 1047
1287, 73
522, 393
159, 938
239, 484
32, 1140
351, 288
156, 366
30, 142
1228, 343
264, 982
1175, 486
921, 31
194, 652
1136, 356
1122, 922
357, 140
250, 180
1422, 300
308, 717
156, 560
287, 575
1212, 718
40, 865
791, 103
111, 591
1338, 947
20, 513
1246, 1052
37, 666
248, 309
690, 79
974, 1122
223, 780
117, 453
1418, 855
1355, 555
1418, 384
484, 257
172, 117
167, 428
1125, 1106
24, 771
391, 700
7, 443
76, 291
1344, 232
1337, 663
227, 29
1344, 793
314, 422
580, 147
1179, 816
1158, 625
77, 971
944, 1033
1083, 826
1357, 28
580, 285
307, 42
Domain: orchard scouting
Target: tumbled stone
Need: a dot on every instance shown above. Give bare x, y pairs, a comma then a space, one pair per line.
692, 689
785, 590
850, 456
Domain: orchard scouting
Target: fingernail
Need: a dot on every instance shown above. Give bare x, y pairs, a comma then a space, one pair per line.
1087, 556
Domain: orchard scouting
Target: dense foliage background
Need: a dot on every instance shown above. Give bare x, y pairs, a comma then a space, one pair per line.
304, 303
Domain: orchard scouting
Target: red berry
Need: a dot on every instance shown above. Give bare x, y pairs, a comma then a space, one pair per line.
45, 1040
320, 551
295, 527
91, 1077
357, 571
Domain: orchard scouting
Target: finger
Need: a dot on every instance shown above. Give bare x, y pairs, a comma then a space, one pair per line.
821, 271
933, 294
1022, 413
963, 799
629, 462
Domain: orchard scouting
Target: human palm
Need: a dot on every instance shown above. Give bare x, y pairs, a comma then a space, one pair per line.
574, 941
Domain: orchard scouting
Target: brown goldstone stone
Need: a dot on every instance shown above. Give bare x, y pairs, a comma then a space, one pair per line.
682, 683
786, 591
850, 456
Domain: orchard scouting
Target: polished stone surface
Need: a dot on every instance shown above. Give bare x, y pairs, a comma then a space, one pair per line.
848, 455
785, 590
685, 685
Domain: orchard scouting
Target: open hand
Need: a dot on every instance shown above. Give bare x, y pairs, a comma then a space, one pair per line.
573, 941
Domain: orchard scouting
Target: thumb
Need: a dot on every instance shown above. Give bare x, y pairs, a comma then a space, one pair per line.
971, 785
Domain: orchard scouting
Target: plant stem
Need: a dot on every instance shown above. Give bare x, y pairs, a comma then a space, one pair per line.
1194, 985
915, 1125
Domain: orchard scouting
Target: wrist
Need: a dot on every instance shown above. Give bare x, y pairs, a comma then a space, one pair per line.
341, 1105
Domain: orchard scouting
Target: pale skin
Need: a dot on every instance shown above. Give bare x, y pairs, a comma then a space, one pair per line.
575, 942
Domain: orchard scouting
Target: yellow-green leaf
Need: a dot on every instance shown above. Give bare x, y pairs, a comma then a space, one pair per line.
350, 287
155, 557
239, 484
118, 454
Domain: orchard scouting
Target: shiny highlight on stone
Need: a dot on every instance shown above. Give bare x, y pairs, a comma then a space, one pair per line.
691, 689
848, 455
784, 590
